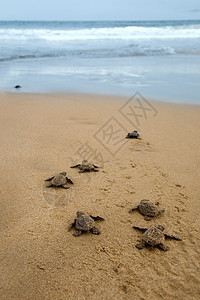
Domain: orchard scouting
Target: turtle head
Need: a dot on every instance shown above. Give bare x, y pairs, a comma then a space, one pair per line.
64, 173
144, 201
79, 214
161, 227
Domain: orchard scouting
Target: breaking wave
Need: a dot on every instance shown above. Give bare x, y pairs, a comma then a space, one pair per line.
122, 33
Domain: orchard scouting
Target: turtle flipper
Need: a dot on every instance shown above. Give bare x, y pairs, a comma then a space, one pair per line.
77, 233
163, 247
49, 185
69, 180
97, 218
64, 186
95, 166
132, 209
49, 179
95, 170
76, 166
140, 245
147, 218
95, 230
170, 236
71, 225
140, 228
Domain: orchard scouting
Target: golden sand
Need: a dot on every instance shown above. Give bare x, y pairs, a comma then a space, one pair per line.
44, 134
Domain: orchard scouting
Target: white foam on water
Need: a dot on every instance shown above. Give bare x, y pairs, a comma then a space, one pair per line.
122, 33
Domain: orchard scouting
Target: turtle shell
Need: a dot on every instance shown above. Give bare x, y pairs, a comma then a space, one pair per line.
87, 167
59, 179
133, 134
153, 236
147, 208
84, 222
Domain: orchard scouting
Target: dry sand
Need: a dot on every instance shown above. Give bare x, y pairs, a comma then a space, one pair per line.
41, 135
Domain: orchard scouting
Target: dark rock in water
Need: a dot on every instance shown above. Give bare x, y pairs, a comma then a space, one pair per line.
17, 86
132, 135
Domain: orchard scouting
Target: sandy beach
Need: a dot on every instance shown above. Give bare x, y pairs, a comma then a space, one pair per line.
43, 134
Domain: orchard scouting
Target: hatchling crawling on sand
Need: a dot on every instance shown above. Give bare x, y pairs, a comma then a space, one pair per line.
86, 167
148, 209
132, 135
84, 223
59, 180
154, 237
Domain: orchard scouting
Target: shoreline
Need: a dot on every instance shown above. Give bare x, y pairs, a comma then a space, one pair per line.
110, 96
42, 134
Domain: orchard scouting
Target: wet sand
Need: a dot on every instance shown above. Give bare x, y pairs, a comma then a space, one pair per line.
45, 134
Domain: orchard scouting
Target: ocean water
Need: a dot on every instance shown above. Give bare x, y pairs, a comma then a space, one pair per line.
160, 59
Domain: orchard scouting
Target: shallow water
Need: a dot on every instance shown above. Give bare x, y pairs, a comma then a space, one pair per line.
158, 59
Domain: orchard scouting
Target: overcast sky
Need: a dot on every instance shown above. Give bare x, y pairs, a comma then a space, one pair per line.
99, 9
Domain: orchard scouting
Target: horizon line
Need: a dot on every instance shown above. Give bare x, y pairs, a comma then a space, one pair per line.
115, 20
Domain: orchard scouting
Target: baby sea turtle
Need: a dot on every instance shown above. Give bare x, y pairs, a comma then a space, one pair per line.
148, 209
132, 135
85, 223
86, 167
154, 237
59, 180
17, 86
